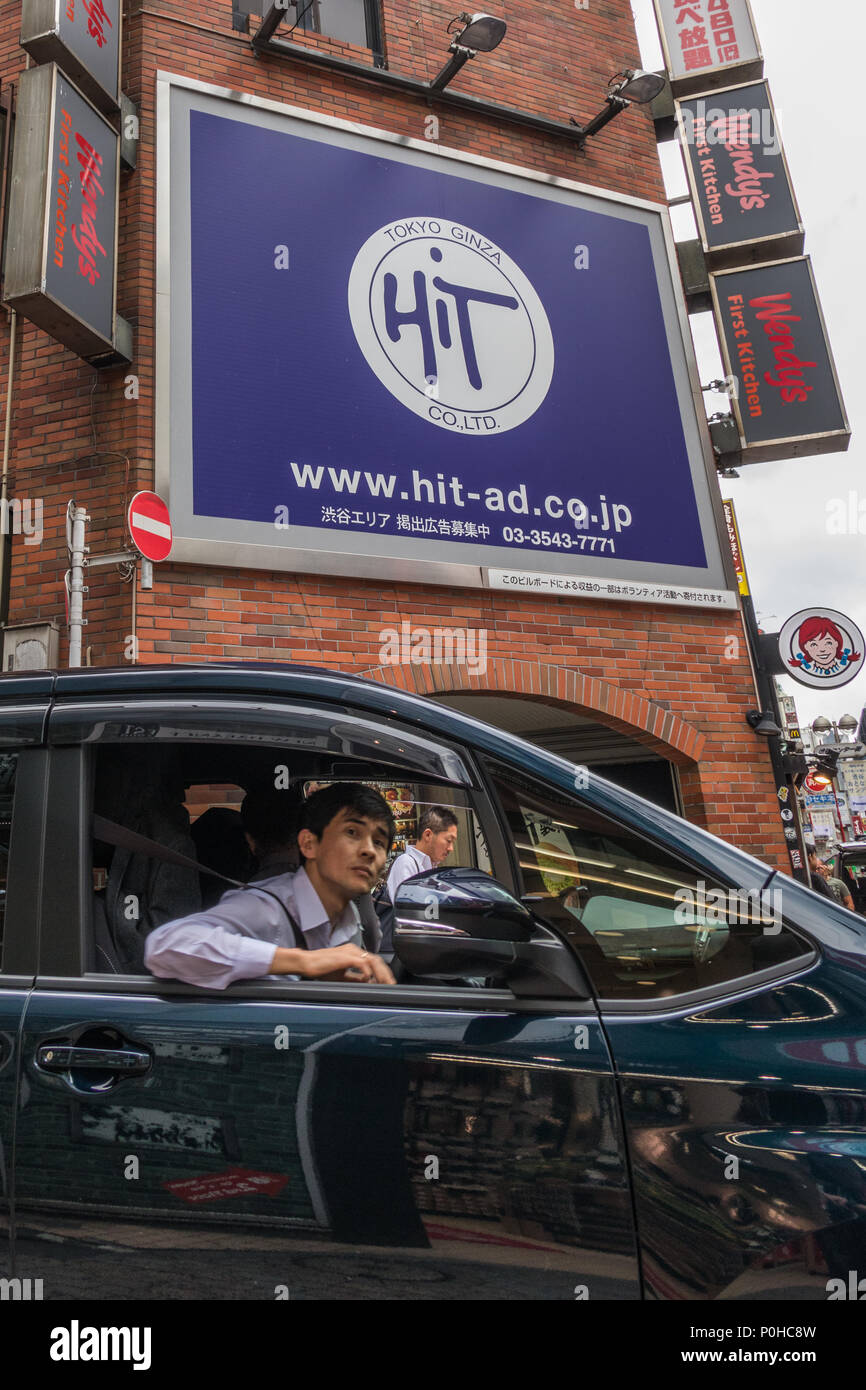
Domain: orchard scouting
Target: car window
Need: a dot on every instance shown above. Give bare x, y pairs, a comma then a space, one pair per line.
189, 798
850, 867
644, 924
8, 767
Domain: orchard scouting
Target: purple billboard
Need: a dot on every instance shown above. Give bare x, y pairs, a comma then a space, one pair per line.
377, 356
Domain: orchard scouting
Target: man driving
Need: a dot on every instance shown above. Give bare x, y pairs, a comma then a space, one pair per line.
304, 925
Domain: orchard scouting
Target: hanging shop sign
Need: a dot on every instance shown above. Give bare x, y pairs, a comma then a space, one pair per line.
741, 190
821, 648
774, 343
707, 42
446, 385
83, 38
62, 229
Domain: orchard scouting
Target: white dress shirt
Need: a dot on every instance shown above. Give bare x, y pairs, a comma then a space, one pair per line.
235, 939
412, 861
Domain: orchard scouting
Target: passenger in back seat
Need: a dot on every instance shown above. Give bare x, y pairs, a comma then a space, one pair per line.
141, 788
270, 821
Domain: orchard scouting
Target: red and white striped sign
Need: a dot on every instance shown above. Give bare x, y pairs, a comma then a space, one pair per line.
150, 525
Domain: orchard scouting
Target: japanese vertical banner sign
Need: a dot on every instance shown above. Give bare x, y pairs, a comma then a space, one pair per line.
736, 548
704, 38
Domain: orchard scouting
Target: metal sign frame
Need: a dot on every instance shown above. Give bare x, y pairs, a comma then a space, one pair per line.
30, 213
689, 83
789, 446
42, 37
199, 539
778, 245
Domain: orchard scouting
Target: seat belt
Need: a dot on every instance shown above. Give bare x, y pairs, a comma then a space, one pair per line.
114, 834
124, 838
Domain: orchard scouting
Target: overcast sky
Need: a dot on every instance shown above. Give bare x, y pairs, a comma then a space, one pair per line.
792, 560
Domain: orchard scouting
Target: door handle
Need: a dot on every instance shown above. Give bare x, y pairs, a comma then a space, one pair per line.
62, 1058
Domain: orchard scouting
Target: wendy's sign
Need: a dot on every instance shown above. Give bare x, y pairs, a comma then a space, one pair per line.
775, 344
60, 264
706, 41
821, 648
742, 194
83, 38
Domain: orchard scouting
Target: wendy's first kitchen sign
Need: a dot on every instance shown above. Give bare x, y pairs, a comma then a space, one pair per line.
744, 202
60, 260
775, 345
83, 37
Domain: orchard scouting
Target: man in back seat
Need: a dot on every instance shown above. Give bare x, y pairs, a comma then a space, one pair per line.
142, 789
304, 925
270, 821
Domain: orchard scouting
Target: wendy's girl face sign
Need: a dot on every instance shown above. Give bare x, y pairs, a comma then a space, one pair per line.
821, 648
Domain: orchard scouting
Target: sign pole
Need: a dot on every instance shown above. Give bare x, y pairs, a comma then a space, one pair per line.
76, 517
786, 792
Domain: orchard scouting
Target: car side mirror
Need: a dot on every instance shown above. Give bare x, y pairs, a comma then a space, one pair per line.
450, 923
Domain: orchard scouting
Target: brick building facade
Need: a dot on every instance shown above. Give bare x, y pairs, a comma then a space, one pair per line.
674, 682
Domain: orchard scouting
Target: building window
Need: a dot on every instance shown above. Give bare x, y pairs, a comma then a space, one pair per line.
350, 21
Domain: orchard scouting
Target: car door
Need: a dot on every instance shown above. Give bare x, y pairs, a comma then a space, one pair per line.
736, 1020
308, 1139
22, 797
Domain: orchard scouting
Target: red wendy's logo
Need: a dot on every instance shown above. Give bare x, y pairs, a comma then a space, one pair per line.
84, 232
821, 647
775, 315
747, 185
97, 18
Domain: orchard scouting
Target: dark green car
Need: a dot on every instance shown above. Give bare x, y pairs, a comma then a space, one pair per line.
624, 1061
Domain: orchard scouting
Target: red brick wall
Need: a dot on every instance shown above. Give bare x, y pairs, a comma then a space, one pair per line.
76, 434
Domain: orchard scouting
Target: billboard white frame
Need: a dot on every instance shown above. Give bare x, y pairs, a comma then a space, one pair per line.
244, 544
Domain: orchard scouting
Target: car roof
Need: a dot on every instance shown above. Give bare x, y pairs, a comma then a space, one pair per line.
287, 679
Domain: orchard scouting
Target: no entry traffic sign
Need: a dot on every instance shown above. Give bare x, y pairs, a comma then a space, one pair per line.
150, 525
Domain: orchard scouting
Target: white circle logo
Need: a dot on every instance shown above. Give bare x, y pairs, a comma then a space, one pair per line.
821, 647
450, 325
